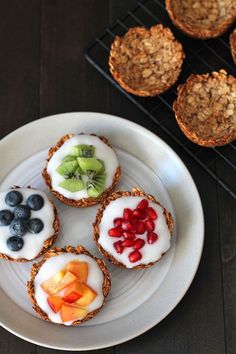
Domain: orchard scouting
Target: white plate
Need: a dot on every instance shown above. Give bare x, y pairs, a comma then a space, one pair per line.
139, 299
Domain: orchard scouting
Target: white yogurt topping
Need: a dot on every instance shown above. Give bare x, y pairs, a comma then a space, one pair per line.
57, 263
150, 253
102, 152
33, 243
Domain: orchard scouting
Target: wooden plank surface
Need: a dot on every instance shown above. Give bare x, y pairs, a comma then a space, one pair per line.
43, 71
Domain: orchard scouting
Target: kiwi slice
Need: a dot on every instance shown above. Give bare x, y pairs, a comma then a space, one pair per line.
72, 184
90, 164
95, 186
69, 158
83, 150
67, 169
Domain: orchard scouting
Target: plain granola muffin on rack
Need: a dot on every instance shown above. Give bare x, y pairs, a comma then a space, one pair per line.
146, 62
205, 108
232, 41
200, 18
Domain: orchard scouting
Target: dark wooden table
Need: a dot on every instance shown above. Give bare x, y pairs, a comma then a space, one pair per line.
43, 72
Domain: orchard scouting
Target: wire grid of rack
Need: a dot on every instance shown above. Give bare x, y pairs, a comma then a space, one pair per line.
201, 57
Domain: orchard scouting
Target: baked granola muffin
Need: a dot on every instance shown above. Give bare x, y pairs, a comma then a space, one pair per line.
81, 170
68, 286
29, 224
202, 19
132, 229
146, 62
232, 42
205, 108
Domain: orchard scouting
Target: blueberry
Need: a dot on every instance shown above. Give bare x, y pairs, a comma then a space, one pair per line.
13, 198
35, 202
15, 243
6, 217
18, 227
22, 212
35, 226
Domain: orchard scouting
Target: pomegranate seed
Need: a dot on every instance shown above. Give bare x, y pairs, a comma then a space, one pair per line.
118, 221
127, 214
140, 213
134, 221
152, 237
143, 204
127, 226
150, 226
128, 242
140, 227
151, 213
135, 256
115, 232
139, 243
118, 247
128, 234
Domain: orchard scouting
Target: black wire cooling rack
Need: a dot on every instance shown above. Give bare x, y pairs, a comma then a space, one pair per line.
201, 57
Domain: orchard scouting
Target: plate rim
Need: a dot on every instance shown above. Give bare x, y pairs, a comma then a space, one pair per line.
201, 224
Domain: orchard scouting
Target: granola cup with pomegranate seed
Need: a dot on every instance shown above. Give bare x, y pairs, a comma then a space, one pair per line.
132, 229
202, 19
205, 108
232, 42
146, 62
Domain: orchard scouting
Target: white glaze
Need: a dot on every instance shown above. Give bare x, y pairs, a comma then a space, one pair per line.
33, 243
57, 263
150, 253
102, 152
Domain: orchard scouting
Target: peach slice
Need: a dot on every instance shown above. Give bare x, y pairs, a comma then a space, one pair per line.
49, 285
80, 269
73, 292
66, 280
55, 302
72, 313
88, 295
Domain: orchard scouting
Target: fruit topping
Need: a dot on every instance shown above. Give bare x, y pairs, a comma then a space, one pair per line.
6, 217
127, 214
140, 227
135, 256
88, 295
115, 232
72, 312
66, 280
143, 204
83, 151
13, 198
67, 168
18, 227
129, 235
150, 226
127, 226
35, 226
89, 164
55, 302
129, 242
139, 243
74, 184
80, 269
50, 285
96, 185
15, 243
151, 213
118, 221
22, 212
118, 247
140, 213
73, 292
35, 202
152, 237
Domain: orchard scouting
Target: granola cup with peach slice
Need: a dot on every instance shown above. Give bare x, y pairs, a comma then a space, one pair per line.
68, 286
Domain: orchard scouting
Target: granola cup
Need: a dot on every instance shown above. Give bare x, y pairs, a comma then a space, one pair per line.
205, 108
232, 42
128, 198
57, 252
202, 19
85, 201
146, 62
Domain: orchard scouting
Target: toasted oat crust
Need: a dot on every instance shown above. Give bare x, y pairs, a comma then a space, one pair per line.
47, 243
205, 108
146, 62
232, 41
56, 252
84, 202
202, 19
136, 192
